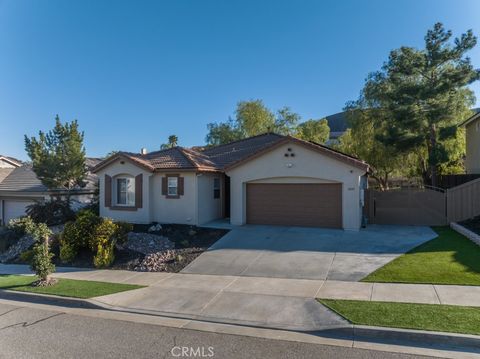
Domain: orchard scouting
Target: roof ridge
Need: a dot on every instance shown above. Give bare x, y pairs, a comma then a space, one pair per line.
181, 150
244, 139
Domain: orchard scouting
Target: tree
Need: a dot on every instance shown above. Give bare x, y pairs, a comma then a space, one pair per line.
286, 121
253, 118
314, 130
424, 95
223, 132
361, 140
172, 142
58, 156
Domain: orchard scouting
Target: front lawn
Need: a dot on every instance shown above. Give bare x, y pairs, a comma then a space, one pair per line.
448, 259
65, 287
434, 317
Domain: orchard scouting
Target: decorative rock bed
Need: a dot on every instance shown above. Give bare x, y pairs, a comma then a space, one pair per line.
466, 232
147, 243
23, 244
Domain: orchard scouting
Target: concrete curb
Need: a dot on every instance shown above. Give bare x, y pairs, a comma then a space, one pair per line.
448, 345
475, 238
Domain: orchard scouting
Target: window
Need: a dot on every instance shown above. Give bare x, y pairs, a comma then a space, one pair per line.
172, 189
216, 188
125, 191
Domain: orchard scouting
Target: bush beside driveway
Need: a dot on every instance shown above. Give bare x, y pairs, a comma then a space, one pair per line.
448, 259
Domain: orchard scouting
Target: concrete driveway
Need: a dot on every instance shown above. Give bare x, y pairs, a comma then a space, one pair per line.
307, 253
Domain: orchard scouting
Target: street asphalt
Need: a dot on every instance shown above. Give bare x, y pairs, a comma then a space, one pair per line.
34, 333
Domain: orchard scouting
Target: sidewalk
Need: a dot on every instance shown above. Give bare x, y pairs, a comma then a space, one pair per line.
252, 306
300, 288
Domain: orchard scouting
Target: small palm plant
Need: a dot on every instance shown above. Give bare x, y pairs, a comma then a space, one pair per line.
42, 257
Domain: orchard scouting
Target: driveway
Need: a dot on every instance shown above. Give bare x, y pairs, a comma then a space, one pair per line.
307, 253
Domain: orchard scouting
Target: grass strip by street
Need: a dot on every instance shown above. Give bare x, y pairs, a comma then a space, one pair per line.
65, 287
432, 317
448, 259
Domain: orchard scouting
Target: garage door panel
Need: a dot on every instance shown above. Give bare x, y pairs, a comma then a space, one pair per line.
15, 209
317, 205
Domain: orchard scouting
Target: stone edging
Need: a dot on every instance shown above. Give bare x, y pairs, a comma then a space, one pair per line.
466, 232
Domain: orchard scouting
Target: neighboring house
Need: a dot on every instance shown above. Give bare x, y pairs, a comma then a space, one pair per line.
472, 130
266, 179
20, 187
9, 162
338, 125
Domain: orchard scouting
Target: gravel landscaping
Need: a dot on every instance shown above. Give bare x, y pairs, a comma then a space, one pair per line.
151, 248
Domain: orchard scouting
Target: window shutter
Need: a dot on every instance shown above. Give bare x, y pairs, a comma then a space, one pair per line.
180, 186
164, 186
108, 191
139, 191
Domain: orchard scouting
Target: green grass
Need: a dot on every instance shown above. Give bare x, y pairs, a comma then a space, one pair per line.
433, 317
65, 287
448, 259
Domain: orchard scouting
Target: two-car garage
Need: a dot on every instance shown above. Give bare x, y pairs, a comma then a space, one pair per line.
295, 204
298, 183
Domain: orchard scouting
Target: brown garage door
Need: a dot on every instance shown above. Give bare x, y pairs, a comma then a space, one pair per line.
306, 204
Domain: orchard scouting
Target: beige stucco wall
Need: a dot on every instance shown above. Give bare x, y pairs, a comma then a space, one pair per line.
472, 160
174, 210
141, 215
209, 208
194, 207
307, 166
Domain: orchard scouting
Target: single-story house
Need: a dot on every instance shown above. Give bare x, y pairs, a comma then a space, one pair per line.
20, 187
472, 129
266, 179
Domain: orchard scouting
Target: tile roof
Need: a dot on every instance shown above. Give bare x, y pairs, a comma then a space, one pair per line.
23, 179
225, 155
4, 172
218, 158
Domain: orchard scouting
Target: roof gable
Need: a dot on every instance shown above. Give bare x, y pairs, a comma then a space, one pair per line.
324, 150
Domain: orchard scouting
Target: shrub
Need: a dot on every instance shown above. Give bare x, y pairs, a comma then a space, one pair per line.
80, 234
86, 223
20, 226
68, 252
105, 255
121, 234
103, 234
42, 258
27, 256
51, 212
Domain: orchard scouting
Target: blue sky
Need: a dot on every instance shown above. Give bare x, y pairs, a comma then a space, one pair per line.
134, 72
